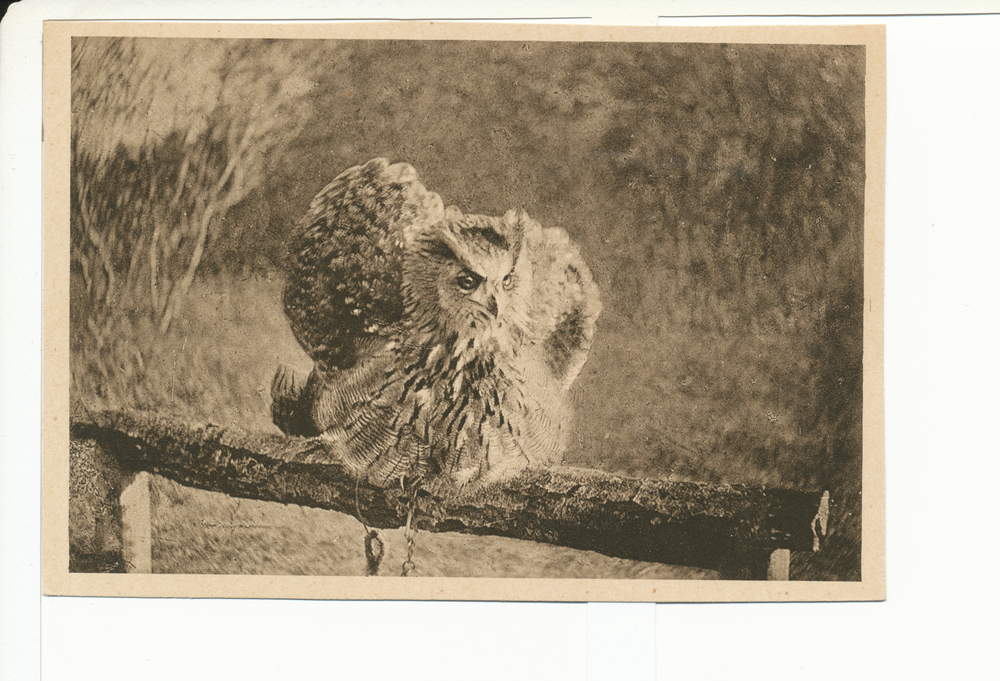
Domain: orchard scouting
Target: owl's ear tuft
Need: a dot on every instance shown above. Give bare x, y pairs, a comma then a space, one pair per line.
519, 220
515, 216
520, 224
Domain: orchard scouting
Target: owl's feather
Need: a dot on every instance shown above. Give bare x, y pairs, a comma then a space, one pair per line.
345, 274
444, 343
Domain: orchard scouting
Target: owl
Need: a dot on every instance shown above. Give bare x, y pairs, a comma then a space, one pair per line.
443, 343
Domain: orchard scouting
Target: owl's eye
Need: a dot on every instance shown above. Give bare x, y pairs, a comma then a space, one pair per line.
508, 282
467, 281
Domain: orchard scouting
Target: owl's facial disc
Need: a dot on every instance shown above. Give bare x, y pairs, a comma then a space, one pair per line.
485, 295
486, 284
463, 282
472, 295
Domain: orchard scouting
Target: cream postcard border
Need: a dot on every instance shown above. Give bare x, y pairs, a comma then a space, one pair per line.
57, 580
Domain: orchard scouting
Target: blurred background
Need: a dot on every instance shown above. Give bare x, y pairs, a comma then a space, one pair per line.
716, 191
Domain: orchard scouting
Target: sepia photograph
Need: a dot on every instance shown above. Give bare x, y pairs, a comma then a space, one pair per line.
428, 311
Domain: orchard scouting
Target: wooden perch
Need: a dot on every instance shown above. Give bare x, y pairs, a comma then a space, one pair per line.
743, 532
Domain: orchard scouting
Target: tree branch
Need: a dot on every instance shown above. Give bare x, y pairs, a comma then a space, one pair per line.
678, 523
180, 288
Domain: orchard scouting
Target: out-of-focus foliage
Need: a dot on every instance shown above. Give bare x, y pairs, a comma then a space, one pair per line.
167, 136
716, 191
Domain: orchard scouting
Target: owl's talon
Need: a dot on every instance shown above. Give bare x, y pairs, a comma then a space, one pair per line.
289, 411
284, 384
278, 382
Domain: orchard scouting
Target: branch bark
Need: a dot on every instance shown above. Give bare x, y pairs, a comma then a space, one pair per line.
723, 528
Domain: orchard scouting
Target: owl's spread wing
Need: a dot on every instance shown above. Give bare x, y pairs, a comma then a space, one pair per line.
343, 293
565, 302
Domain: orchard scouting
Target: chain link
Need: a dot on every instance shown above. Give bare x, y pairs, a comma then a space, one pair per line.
375, 545
409, 568
374, 552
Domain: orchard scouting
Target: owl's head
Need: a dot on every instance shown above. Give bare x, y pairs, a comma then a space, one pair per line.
462, 279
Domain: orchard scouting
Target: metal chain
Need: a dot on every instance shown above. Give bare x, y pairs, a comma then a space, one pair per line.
410, 532
374, 546
374, 552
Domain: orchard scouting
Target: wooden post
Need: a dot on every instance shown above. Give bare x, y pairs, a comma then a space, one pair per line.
110, 510
136, 514
777, 568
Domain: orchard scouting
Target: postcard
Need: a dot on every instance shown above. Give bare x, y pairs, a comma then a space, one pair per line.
446, 311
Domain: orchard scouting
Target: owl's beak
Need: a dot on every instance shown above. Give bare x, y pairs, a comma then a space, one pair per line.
496, 303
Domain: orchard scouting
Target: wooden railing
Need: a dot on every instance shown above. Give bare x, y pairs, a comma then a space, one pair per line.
742, 532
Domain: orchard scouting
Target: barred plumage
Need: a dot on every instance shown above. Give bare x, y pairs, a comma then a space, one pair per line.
443, 343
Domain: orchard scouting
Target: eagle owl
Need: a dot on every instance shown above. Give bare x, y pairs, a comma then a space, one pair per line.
444, 344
